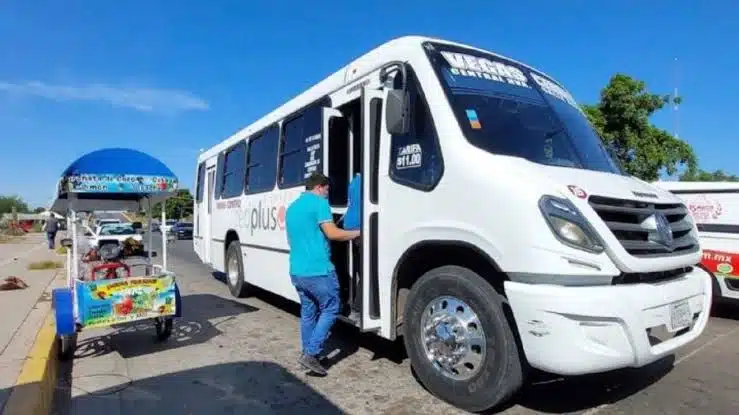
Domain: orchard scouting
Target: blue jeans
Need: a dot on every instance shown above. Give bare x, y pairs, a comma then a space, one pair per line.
51, 236
319, 307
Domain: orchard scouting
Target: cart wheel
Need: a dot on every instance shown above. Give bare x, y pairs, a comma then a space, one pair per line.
164, 328
66, 345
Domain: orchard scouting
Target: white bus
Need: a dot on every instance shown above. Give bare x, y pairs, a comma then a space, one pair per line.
715, 209
497, 233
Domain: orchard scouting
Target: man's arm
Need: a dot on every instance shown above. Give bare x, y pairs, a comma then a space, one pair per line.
329, 228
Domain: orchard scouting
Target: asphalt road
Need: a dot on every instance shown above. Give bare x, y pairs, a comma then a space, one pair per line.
238, 356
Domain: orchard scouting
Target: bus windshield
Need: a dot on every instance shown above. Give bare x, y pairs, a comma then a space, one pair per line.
508, 109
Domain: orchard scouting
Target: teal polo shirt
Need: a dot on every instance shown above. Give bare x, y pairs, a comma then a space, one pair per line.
310, 251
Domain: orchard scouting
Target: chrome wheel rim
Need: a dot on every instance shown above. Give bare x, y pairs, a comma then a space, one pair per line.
233, 270
453, 338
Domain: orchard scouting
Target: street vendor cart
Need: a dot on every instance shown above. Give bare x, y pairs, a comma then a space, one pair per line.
103, 287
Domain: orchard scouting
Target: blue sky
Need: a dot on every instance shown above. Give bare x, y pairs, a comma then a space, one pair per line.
170, 77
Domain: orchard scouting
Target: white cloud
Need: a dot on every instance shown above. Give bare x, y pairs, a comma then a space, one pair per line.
141, 99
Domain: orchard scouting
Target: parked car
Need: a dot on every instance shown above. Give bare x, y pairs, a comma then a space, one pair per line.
167, 225
182, 230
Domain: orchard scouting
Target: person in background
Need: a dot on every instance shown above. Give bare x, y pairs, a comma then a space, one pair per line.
310, 226
51, 227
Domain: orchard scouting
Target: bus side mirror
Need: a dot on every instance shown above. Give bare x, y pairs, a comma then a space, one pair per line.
397, 118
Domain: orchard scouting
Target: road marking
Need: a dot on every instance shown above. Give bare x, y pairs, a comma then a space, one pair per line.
599, 408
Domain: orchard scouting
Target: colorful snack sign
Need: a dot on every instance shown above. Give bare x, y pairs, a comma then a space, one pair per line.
725, 264
107, 302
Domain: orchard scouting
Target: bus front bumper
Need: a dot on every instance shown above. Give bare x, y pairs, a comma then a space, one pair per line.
580, 330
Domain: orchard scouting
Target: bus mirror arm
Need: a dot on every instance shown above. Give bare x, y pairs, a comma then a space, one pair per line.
397, 118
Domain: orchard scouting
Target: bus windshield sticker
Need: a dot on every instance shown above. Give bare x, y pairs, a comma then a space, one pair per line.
469, 66
409, 157
474, 121
478, 67
553, 89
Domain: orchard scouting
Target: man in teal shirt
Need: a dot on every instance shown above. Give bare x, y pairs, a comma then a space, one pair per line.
310, 226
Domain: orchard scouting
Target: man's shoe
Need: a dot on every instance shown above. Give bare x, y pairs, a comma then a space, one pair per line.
312, 364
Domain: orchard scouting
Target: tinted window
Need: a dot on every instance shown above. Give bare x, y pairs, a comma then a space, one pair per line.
506, 108
232, 184
415, 157
201, 180
261, 161
302, 147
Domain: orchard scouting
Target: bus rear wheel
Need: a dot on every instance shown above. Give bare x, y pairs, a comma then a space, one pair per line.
235, 271
459, 341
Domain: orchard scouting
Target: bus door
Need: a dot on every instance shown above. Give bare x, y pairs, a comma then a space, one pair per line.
207, 219
374, 145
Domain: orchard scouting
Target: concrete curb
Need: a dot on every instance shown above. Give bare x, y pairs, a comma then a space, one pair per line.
33, 392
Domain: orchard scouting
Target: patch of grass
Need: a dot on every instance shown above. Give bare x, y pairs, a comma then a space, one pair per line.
62, 250
45, 265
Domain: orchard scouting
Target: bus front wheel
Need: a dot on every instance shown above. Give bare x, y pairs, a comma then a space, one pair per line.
459, 341
235, 271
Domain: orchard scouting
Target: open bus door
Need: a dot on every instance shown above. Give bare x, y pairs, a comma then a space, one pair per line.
372, 100
207, 219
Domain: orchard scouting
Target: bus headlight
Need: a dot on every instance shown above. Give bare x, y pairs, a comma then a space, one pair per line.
569, 225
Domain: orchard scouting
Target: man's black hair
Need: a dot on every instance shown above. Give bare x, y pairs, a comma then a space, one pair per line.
316, 179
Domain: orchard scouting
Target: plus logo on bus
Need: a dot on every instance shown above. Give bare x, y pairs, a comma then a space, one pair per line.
266, 217
264, 214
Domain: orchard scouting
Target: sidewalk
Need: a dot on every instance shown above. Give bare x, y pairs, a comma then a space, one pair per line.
23, 311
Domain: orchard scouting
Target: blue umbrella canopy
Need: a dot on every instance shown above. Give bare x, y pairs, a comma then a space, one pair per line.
118, 170
114, 177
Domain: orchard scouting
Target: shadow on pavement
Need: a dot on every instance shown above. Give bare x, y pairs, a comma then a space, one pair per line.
139, 338
553, 394
726, 310
543, 392
247, 387
345, 339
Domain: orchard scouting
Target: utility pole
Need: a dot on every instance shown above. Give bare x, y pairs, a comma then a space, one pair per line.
675, 103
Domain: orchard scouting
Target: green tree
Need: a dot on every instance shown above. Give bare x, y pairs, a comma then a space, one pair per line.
39, 210
7, 203
177, 207
622, 120
698, 175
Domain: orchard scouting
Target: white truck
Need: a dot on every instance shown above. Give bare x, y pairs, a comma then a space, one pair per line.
113, 233
715, 209
497, 233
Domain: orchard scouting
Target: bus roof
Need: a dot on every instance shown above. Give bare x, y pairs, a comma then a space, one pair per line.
698, 187
395, 49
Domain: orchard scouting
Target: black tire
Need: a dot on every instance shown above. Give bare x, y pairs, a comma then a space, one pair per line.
164, 328
716, 295
501, 372
240, 288
66, 346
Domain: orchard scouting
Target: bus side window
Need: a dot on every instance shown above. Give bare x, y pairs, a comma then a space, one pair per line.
201, 180
415, 158
261, 161
302, 147
232, 184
